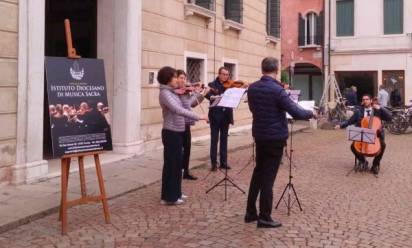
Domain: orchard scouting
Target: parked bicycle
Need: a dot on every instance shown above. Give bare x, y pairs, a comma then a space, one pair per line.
401, 119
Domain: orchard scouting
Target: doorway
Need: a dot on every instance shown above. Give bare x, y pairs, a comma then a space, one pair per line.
365, 81
83, 18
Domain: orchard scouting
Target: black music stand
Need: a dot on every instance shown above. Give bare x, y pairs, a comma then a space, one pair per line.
230, 99
360, 134
289, 186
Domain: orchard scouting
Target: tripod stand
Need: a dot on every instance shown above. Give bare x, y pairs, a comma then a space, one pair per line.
251, 159
289, 187
226, 181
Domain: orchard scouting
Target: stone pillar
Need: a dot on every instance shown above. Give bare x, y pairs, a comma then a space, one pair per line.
127, 76
29, 155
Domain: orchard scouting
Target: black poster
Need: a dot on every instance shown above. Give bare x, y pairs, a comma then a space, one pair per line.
79, 114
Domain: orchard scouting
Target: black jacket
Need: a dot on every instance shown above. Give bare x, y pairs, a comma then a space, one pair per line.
357, 116
269, 102
217, 113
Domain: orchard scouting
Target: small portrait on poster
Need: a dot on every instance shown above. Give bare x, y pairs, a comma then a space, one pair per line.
78, 109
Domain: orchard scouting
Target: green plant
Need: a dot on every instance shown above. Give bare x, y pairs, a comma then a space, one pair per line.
284, 77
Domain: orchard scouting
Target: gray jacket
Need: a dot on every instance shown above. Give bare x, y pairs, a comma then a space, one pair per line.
189, 102
173, 111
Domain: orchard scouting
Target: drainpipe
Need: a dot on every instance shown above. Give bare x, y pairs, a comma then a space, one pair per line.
329, 57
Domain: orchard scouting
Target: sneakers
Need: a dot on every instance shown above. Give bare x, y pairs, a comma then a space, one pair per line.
183, 197
178, 202
268, 223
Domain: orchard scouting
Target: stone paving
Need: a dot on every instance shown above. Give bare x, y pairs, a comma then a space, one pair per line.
358, 210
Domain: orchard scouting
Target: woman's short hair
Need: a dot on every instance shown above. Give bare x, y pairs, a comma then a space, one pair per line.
181, 72
166, 74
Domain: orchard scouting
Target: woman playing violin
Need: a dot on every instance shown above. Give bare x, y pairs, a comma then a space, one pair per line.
369, 108
191, 96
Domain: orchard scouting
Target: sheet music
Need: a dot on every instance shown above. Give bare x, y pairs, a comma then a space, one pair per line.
231, 98
361, 134
307, 105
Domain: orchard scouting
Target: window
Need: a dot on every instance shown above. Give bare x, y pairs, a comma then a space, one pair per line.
232, 70
345, 18
310, 29
311, 19
207, 4
234, 10
393, 16
194, 69
273, 18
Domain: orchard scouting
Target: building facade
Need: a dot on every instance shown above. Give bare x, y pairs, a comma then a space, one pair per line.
371, 45
302, 45
135, 38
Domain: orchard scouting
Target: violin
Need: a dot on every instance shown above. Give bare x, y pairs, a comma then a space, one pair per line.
234, 84
188, 89
366, 149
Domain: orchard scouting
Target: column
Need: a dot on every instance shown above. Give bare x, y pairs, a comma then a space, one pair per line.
30, 165
127, 76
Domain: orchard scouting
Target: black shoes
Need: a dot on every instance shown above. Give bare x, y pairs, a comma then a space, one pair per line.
268, 223
225, 167
375, 169
214, 167
251, 217
189, 177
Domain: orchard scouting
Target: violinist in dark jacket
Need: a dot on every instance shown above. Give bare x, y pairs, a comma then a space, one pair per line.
364, 111
220, 118
268, 102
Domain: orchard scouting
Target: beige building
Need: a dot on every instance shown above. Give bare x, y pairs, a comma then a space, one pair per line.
371, 44
135, 38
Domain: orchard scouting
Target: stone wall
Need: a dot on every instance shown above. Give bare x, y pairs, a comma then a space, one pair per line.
168, 34
8, 85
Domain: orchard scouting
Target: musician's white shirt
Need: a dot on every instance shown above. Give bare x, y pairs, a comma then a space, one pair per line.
365, 113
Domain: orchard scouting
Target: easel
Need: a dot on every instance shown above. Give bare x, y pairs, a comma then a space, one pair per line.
85, 199
65, 166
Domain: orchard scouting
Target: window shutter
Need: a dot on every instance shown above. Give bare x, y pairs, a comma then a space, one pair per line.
345, 18
301, 37
207, 4
393, 16
320, 28
233, 10
273, 18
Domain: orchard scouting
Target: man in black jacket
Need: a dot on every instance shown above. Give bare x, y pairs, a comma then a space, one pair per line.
220, 118
365, 111
268, 102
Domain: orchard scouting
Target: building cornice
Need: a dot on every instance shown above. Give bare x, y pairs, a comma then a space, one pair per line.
371, 51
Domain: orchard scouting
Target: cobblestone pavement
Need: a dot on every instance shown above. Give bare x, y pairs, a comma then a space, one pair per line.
357, 210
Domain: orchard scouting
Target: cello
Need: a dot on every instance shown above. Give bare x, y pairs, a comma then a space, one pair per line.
370, 150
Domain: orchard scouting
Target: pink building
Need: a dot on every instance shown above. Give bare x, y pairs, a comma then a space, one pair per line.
302, 29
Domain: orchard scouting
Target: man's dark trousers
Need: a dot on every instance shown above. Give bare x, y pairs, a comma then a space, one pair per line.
219, 127
268, 157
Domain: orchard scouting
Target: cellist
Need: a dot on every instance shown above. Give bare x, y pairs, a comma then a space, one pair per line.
367, 109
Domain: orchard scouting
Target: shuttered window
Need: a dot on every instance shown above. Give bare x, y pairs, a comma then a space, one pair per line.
207, 4
393, 16
319, 29
273, 18
345, 18
233, 10
302, 34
